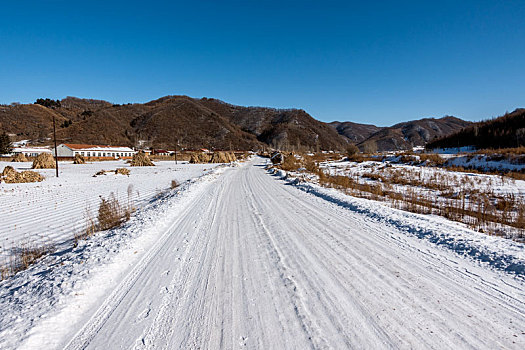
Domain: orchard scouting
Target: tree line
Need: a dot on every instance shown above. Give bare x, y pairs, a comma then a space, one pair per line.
507, 131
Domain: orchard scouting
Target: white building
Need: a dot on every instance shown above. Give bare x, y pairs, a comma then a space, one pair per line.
30, 151
69, 150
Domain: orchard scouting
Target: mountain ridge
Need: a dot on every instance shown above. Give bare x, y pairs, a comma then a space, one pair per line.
182, 121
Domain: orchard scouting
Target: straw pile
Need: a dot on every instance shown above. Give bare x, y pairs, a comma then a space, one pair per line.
10, 175
122, 171
44, 161
8, 171
199, 158
79, 159
19, 157
222, 157
141, 159
231, 157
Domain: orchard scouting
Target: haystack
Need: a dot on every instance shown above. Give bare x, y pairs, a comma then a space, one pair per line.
141, 159
10, 175
44, 161
231, 157
219, 157
199, 158
8, 171
19, 157
122, 171
194, 159
79, 159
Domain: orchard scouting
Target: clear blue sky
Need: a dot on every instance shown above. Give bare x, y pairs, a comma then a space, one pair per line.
376, 62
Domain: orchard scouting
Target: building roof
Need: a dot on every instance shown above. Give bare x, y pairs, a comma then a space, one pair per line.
30, 149
76, 146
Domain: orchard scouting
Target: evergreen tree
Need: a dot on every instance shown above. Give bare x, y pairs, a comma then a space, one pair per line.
5, 144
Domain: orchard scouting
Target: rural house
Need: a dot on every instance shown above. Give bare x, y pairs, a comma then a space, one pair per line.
69, 150
30, 151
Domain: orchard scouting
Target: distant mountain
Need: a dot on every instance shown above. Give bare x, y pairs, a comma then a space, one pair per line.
503, 132
355, 132
400, 136
210, 123
162, 123
280, 128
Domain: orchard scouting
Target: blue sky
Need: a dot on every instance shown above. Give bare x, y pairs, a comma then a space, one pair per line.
377, 62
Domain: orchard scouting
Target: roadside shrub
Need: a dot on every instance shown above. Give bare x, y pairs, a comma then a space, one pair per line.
174, 184
432, 159
23, 257
89, 228
290, 163
111, 213
352, 151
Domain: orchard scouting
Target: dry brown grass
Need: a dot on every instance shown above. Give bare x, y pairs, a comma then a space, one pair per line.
22, 257
505, 151
454, 196
89, 230
174, 184
111, 213
290, 163
122, 171
432, 159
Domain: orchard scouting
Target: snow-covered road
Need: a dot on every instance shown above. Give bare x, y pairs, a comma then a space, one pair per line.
254, 262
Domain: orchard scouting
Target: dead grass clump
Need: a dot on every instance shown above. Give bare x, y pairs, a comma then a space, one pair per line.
28, 255
290, 163
10, 175
44, 161
23, 257
19, 157
432, 159
111, 213
122, 171
174, 184
79, 159
89, 229
141, 159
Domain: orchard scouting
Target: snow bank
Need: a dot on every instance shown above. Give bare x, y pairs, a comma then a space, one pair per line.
500, 253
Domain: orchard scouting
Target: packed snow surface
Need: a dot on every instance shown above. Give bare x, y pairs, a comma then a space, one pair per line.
243, 259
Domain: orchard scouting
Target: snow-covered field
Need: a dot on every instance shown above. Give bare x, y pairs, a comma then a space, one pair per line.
498, 184
243, 259
493, 204
52, 211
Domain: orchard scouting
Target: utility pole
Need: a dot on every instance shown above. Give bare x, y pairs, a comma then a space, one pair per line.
176, 144
55, 137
